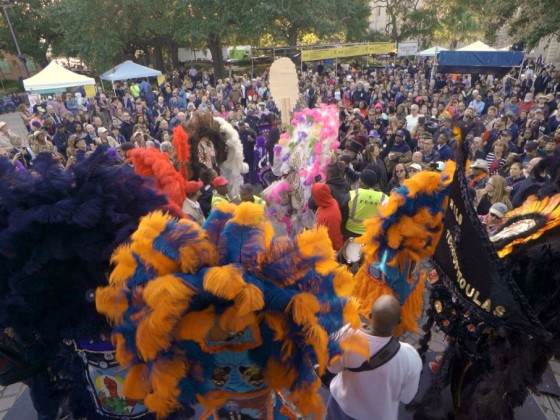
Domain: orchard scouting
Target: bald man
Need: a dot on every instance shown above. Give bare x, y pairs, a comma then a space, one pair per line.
375, 394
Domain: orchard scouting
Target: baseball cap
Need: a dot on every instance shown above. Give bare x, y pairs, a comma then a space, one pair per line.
373, 133
219, 181
3, 123
368, 177
499, 210
102, 130
400, 133
416, 167
193, 186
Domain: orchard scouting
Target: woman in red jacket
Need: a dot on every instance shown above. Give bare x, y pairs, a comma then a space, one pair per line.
328, 213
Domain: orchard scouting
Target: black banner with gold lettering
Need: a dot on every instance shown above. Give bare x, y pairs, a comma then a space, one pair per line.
471, 267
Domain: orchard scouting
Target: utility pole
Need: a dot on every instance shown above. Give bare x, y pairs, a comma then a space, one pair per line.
8, 21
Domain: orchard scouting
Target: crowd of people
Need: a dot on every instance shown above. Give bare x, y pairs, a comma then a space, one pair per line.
395, 121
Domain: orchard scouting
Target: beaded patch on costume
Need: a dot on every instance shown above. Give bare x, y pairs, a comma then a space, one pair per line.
105, 381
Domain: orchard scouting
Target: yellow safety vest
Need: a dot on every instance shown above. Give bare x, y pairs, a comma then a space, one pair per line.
259, 201
135, 91
363, 205
256, 199
217, 198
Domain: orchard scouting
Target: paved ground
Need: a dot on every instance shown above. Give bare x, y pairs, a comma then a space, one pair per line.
8, 396
15, 122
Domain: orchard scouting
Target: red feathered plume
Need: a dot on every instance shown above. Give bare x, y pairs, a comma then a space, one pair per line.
182, 148
152, 163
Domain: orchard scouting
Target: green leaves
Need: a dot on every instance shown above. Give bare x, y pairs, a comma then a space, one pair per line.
526, 21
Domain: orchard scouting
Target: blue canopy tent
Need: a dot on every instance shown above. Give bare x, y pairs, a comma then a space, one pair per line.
479, 62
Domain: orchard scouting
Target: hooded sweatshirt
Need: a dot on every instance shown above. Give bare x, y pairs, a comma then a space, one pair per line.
328, 213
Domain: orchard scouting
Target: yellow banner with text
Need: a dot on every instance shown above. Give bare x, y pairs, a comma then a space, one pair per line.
349, 51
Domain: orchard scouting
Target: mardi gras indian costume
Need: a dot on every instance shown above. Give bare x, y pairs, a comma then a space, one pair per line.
58, 229
215, 144
300, 158
498, 299
228, 315
406, 231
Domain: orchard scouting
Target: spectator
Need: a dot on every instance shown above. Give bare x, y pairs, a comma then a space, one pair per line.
364, 203
220, 185
191, 206
60, 140
495, 191
495, 218
394, 382
531, 185
328, 213
515, 177
479, 174
400, 174
399, 152
429, 154
496, 159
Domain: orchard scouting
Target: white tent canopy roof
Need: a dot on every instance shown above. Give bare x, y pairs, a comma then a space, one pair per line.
129, 70
477, 46
431, 52
55, 78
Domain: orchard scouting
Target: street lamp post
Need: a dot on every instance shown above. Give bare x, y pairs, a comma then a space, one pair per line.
9, 22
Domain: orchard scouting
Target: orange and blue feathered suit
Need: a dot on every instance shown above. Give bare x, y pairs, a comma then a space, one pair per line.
227, 315
406, 231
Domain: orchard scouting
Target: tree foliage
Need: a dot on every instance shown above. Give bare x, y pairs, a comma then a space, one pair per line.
33, 31
457, 21
526, 21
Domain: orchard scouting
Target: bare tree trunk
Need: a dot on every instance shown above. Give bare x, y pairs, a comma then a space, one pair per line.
174, 53
394, 29
292, 36
157, 58
215, 47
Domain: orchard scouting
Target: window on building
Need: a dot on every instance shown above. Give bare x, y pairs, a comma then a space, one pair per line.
31, 64
4, 65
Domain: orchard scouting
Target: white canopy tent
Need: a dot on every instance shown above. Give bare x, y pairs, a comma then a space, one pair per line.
54, 79
477, 46
431, 52
129, 70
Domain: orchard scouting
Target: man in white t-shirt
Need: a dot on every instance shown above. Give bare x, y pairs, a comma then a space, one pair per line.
375, 394
412, 118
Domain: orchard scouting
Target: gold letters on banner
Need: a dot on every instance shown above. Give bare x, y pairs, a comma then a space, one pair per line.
470, 291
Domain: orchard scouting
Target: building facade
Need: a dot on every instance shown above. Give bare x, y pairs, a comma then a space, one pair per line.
12, 68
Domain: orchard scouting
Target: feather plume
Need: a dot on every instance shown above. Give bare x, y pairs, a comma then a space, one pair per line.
154, 164
182, 148
136, 384
165, 376
225, 282
195, 326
